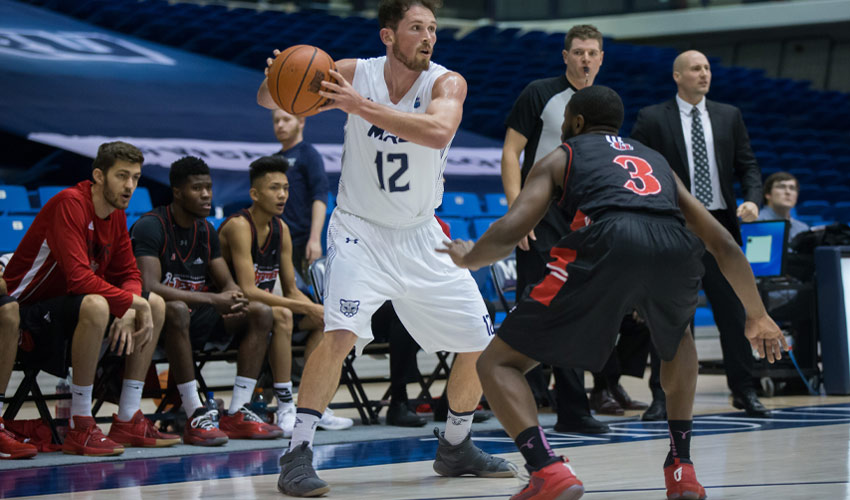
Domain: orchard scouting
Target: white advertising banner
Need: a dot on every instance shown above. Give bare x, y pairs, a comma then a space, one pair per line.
237, 156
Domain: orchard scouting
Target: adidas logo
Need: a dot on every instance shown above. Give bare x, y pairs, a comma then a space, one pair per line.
91, 226
198, 261
677, 475
47, 317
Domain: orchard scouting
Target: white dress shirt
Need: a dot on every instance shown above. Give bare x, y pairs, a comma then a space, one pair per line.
687, 120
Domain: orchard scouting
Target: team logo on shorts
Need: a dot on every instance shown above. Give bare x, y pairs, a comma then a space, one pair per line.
349, 307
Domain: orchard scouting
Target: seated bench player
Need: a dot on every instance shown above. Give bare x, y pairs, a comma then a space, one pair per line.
179, 256
75, 279
257, 245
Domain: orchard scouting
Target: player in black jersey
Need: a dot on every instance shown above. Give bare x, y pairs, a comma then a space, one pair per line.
179, 256
628, 249
257, 246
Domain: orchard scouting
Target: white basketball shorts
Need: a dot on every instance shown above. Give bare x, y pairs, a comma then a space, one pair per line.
368, 264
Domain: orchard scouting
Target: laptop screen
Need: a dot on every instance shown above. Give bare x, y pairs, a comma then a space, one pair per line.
764, 246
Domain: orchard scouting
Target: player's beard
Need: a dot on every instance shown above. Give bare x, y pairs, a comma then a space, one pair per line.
112, 198
411, 64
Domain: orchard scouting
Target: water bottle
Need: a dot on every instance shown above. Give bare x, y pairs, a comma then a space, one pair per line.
259, 405
63, 406
212, 404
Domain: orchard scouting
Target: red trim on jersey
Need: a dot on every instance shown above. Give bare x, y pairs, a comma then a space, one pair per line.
579, 221
556, 278
569, 152
444, 226
194, 236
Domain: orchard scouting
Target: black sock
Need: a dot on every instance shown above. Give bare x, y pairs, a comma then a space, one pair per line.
680, 441
534, 448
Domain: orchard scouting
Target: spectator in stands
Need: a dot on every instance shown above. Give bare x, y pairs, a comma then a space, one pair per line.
257, 246
534, 127
707, 145
308, 190
10, 447
179, 256
780, 196
75, 278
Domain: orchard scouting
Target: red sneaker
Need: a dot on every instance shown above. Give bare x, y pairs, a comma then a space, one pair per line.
556, 481
87, 439
10, 447
139, 431
201, 430
682, 484
245, 424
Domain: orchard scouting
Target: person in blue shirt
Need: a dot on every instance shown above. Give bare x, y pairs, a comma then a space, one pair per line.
308, 190
780, 193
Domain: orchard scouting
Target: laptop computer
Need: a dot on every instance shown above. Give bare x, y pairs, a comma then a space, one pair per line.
765, 245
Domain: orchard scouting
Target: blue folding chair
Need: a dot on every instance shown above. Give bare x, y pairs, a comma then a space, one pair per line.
14, 200
12, 230
460, 205
481, 224
459, 228
140, 203
47, 192
496, 204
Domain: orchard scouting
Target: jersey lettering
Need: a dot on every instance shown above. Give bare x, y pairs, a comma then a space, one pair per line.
639, 170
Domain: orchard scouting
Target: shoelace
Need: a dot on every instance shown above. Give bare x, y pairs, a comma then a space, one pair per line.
205, 421
249, 415
94, 433
150, 429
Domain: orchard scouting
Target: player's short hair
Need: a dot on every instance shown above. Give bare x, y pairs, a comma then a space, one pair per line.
266, 164
391, 12
599, 105
185, 167
582, 32
110, 152
778, 177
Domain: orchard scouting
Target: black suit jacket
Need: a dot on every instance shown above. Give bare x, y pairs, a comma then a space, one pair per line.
660, 127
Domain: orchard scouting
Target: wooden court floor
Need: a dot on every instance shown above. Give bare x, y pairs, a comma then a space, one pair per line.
802, 453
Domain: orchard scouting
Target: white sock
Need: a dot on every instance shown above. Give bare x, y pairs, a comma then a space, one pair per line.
131, 399
283, 393
80, 401
458, 426
243, 389
306, 421
189, 395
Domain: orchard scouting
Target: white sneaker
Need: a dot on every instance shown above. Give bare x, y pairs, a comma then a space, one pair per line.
285, 419
331, 423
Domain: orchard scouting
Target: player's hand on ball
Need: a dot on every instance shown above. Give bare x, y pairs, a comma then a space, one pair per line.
457, 250
341, 94
270, 60
766, 338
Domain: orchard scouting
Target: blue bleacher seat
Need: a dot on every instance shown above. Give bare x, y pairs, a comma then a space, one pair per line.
841, 212
12, 229
47, 192
331, 201
835, 194
215, 221
496, 204
812, 220
481, 224
458, 227
14, 200
140, 202
460, 205
819, 208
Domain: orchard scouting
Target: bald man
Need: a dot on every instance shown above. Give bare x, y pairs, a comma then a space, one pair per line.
708, 147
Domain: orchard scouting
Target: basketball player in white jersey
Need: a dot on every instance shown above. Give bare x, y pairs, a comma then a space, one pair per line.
403, 112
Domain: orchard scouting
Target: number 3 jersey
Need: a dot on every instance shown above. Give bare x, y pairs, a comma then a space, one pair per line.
385, 178
607, 172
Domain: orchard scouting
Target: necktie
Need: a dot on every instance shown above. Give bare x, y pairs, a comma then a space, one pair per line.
702, 177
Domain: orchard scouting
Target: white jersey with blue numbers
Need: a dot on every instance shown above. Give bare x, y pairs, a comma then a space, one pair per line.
386, 179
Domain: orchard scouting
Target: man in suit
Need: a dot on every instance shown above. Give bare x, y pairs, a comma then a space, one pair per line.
707, 145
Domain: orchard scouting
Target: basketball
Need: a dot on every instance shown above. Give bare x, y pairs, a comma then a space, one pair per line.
295, 78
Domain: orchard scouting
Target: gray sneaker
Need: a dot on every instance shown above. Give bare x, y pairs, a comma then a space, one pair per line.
297, 476
467, 459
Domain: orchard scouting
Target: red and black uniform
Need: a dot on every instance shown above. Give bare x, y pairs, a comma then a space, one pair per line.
266, 257
67, 253
184, 257
628, 248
